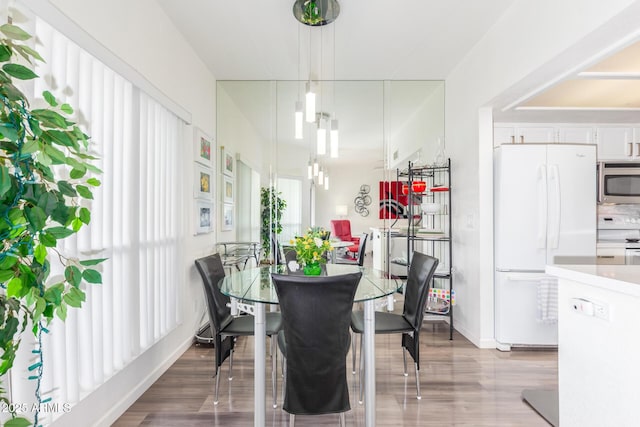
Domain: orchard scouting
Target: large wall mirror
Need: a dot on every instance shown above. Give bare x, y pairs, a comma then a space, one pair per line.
382, 125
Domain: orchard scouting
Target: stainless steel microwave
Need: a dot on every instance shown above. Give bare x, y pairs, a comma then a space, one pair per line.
619, 182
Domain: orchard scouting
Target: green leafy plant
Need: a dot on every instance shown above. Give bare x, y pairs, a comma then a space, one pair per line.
272, 206
312, 247
45, 173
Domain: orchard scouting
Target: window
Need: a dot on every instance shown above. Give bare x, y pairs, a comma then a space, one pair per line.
135, 224
291, 189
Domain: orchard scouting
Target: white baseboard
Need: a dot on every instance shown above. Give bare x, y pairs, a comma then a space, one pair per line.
480, 343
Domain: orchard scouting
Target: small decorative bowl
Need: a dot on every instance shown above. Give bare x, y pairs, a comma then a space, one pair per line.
431, 208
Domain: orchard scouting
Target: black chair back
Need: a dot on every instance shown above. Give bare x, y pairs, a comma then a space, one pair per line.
211, 270
276, 250
361, 248
290, 255
416, 290
316, 313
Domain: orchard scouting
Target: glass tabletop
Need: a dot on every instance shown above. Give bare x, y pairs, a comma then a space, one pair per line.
254, 284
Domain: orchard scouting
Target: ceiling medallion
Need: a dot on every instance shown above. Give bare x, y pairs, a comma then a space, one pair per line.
316, 13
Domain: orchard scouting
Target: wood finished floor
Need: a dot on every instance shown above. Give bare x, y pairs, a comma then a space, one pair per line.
461, 386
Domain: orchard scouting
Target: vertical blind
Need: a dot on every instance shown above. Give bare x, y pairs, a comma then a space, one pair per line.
134, 224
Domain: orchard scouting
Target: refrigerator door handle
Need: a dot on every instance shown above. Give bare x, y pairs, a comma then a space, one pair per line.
541, 238
554, 212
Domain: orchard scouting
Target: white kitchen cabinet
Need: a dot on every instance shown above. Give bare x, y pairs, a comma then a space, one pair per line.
517, 134
617, 143
535, 135
503, 135
577, 135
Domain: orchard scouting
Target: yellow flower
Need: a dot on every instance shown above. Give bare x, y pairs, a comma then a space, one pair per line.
312, 246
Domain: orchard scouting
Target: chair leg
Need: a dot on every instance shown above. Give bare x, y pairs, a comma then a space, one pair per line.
284, 376
274, 370
418, 396
292, 420
231, 365
361, 382
215, 401
353, 352
283, 365
343, 421
404, 360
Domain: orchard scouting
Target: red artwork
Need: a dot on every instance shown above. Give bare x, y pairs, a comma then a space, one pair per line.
393, 204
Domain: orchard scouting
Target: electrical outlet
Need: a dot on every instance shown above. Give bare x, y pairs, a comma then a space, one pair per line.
582, 306
601, 311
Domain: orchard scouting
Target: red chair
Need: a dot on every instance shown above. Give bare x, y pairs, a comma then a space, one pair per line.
341, 229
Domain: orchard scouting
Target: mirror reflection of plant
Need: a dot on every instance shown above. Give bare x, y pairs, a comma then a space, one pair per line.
272, 208
38, 208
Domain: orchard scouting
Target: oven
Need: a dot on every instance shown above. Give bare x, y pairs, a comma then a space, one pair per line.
619, 236
619, 182
632, 256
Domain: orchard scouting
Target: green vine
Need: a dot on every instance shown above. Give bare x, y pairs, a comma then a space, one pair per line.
38, 208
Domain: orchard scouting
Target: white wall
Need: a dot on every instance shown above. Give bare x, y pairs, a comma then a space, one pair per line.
142, 35
413, 109
241, 139
530, 35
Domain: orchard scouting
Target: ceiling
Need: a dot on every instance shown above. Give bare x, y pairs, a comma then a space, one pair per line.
375, 40
612, 83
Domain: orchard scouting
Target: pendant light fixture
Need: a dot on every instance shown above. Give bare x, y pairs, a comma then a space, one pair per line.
310, 103
322, 138
334, 138
316, 13
298, 120
334, 122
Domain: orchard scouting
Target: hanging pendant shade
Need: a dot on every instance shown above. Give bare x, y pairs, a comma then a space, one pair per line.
298, 120
334, 138
310, 104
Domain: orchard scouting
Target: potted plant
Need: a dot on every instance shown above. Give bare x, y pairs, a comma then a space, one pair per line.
311, 250
272, 206
45, 174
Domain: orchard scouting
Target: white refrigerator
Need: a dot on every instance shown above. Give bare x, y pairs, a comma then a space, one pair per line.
544, 206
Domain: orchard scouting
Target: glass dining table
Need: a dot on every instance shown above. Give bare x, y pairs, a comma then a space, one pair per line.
254, 285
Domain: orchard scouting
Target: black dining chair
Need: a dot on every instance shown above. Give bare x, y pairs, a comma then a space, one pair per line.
276, 250
225, 328
315, 338
359, 260
290, 255
408, 323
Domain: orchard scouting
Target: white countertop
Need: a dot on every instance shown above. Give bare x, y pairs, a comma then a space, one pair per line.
618, 278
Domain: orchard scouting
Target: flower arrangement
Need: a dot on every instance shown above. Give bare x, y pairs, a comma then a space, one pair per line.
311, 247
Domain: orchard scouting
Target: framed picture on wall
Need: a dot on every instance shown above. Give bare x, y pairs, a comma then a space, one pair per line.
227, 162
227, 216
227, 189
204, 182
204, 148
204, 216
